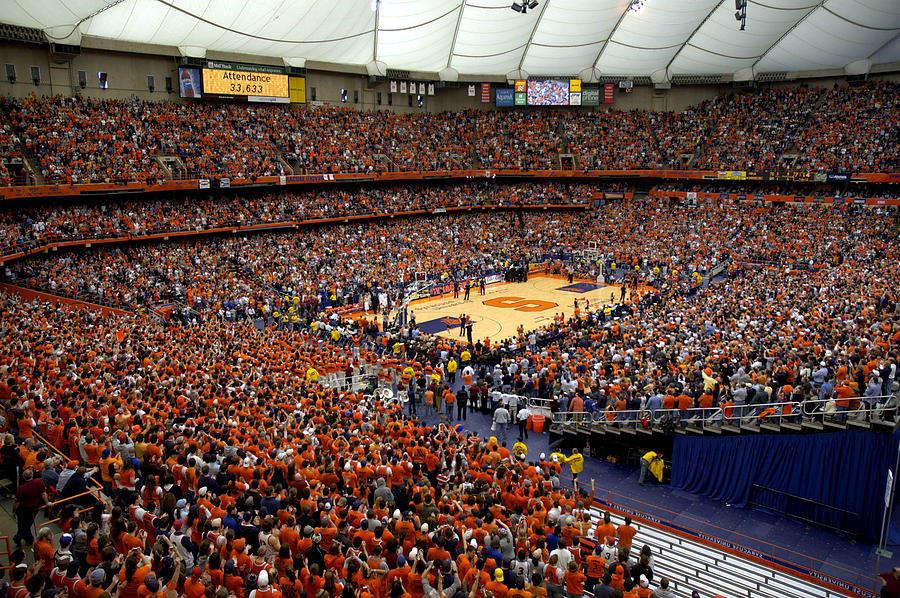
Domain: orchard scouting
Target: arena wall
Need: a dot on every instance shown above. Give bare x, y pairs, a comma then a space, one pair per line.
127, 76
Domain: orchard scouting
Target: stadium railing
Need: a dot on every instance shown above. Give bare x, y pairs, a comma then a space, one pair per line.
812, 409
96, 492
67, 189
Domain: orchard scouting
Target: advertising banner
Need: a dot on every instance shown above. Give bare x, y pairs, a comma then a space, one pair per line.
505, 97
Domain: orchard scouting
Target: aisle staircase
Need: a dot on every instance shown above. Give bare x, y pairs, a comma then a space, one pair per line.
25, 160
692, 566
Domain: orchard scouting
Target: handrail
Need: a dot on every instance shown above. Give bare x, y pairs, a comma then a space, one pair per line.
348, 381
96, 491
635, 416
712, 534
64, 189
7, 552
58, 519
59, 452
809, 500
854, 517
536, 404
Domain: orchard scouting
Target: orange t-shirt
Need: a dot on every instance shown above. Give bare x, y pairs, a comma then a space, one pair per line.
626, 535
575, 582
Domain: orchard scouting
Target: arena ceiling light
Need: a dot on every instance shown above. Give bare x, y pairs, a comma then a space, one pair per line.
637, 6
741, 13
523, 7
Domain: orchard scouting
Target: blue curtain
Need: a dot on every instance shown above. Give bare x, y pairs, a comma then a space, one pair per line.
846, 470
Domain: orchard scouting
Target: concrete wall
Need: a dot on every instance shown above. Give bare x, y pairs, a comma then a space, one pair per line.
127, 76
126, 73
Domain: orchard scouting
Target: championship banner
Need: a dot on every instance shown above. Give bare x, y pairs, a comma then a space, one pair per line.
608, 91
485, 93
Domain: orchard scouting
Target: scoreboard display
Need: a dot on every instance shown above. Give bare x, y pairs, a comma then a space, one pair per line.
241, 83
542, 92
245, 83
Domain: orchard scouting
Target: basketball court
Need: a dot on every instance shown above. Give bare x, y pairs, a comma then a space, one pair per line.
504, 306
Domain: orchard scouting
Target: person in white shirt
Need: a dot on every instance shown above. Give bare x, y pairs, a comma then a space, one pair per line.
522, 419
501, 422
562, 553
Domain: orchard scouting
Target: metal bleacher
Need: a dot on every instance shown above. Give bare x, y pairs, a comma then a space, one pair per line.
690, 565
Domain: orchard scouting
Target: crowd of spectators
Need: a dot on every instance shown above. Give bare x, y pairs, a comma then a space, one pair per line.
315, 263
8, 150
87, 140
231, 471
853, 129
786, 189
231, 466
670, 242
25, 228
76, 140
613, 140
753, 131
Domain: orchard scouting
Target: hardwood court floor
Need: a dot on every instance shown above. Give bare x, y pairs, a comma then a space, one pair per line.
505, 306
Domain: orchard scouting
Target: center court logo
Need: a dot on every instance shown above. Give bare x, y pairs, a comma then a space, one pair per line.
441, 325
519, 304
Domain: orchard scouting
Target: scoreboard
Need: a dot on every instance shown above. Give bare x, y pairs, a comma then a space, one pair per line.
245, 83
545, 92
240, 82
